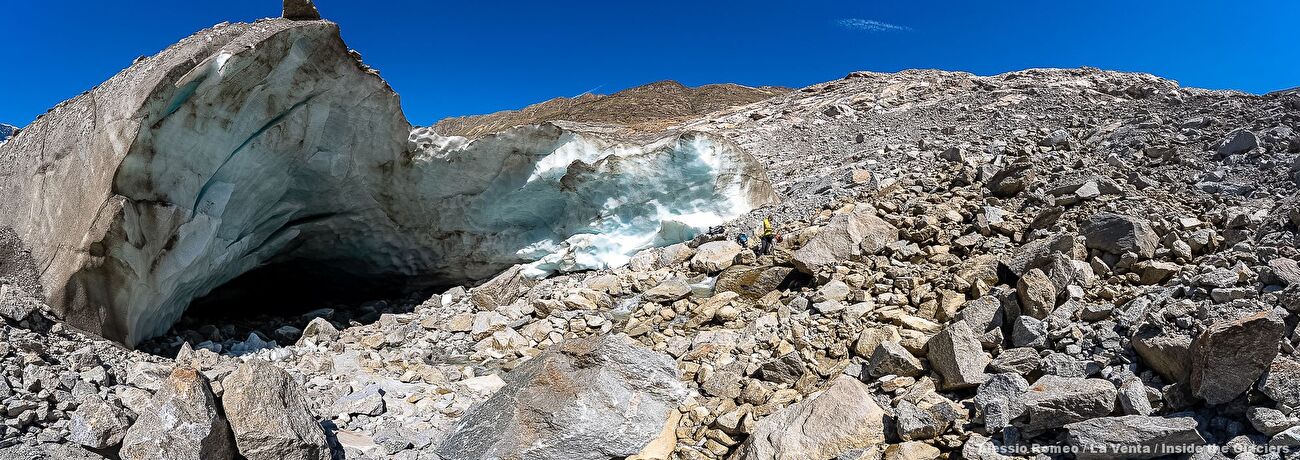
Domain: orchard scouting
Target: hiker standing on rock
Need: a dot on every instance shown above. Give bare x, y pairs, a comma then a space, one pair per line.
769, 234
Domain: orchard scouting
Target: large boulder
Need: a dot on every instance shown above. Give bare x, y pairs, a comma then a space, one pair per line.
1240, 140
269, 416
1119, 234
586, 399
1133, 437
841, 418
668, 291
846, 235
1166, 351
1053, 402
1279, 382
1230, 355
97, 424
753, 282
958, 356
183, 422
715, 256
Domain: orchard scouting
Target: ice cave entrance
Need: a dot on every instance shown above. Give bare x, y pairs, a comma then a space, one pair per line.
553, 200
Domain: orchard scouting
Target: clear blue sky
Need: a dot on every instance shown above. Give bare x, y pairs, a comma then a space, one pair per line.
467, 57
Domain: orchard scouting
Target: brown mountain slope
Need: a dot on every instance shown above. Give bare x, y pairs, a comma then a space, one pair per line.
643, 107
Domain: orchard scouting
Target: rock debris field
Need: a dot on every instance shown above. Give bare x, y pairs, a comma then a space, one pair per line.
1044, 264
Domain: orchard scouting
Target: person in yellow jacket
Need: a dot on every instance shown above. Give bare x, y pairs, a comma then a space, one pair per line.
768, 235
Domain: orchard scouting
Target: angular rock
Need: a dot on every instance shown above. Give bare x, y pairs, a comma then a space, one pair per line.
841, 418
594, 398
97, 424
1021, 361
184, 423
1118, 234
1053, 401
1285, 271
300, 10
1288, 438
1229, 356
715, 256
925, 421
753, 282
1166, 352
1012, 179
1268, 421
787, 369
1037, 294
1281, 382
668, 291
1133, 398
1001, 399
319, 330
955, 352
1240, 140
269, 415
367, 401
1133, 437
1042, 251
892, 358
846, 235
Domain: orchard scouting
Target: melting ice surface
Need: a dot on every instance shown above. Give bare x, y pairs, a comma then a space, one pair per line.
578, 203
645, 201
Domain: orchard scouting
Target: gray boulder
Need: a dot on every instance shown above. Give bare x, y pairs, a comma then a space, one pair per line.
587, 399
1021, 361
892, 358
269, 415
846, 235
1279, 382
1119, 234
1229, 356
1042, 251
668, 291
184, 423
1164, 351
1001, 399
1037, 294
97, 424
715, 256
1267, 420
788, 369
1133, 437
956, 353
1053, 402
1240, 140
840, 419
752, 282
366, 401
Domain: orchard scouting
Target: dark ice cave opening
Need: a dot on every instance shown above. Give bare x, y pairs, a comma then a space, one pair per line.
276, 302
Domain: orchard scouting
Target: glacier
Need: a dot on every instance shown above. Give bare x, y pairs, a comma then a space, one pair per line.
581, 202
269, 148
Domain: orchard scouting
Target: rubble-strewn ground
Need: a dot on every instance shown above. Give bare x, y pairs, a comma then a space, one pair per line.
1043, 258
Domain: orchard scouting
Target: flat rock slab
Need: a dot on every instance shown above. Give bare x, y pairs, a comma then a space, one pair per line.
1133, 437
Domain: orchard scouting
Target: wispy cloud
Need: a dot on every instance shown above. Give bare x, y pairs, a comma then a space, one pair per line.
871, 25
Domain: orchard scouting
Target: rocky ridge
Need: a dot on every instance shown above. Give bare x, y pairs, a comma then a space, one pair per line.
647, 108
969, 267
